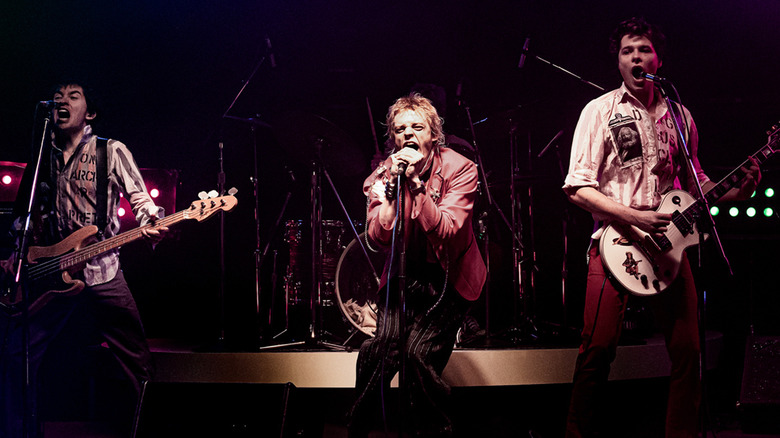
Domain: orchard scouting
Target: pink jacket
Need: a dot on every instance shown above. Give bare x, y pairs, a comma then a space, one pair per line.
444, 212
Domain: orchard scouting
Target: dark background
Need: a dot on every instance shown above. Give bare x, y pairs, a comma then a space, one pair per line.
167, 71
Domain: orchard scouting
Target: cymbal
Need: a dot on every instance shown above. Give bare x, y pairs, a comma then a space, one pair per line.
250, 120
309, 137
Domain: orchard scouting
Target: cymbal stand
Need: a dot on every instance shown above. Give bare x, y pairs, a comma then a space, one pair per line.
484, 219
524, 328
316, 332
553, 144
255, 188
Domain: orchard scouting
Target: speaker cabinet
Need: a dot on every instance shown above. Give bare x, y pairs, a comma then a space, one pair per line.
215, 410
760, 393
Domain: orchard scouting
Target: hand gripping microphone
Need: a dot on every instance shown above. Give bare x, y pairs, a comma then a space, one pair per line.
402, 166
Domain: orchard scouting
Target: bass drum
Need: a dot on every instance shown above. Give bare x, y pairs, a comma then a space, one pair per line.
357, 284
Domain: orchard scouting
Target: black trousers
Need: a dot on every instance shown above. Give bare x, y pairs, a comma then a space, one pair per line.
432, 323
112, 317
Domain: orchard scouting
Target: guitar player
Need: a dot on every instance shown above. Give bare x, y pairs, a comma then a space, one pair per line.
625, 155
69, 193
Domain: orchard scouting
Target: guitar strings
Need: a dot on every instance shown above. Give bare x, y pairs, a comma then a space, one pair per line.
62, 262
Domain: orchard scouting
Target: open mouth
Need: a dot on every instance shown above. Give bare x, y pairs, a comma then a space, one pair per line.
410, 144
63, 113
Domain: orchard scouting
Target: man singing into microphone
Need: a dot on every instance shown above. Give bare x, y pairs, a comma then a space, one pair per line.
625, 155
444, 268
68, 196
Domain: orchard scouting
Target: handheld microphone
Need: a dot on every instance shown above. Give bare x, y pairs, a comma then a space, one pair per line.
639, 73
270, 52
402, 166
522, 55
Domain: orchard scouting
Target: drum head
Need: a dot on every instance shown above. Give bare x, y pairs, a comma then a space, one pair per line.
357, 281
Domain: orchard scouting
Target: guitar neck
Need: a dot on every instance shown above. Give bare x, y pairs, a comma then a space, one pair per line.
94, 250
732, 179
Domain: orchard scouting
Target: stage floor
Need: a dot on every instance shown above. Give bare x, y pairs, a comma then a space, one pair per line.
468, 367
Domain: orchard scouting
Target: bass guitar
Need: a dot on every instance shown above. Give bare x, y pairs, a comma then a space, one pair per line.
49, 269
645, 264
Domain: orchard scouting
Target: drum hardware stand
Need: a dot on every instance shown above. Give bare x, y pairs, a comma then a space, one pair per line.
316, 332
483, 220
528, 322
260, 258
524, 328
565, 233
220, 343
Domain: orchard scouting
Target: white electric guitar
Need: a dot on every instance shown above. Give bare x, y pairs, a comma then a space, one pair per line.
647, 265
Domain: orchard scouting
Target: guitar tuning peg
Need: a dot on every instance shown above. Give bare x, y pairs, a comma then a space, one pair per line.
203, 195
213, 194
232, 191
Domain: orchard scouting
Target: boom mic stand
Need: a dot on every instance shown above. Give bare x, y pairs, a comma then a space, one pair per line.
255, 188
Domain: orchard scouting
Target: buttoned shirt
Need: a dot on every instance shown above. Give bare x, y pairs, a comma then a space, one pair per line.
76, 199
629, 154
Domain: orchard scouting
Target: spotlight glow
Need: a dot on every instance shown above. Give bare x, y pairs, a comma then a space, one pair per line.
120, 211
751, 212
769, 192
7, 179
733, 211
154, 193
714, 211
768, 212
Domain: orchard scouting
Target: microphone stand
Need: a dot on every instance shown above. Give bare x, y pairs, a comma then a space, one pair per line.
29, 396
399, 232
704, 219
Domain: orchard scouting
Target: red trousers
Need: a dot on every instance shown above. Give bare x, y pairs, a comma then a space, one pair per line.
676, 313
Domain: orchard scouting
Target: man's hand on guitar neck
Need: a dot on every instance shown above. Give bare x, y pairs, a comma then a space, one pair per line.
154, 235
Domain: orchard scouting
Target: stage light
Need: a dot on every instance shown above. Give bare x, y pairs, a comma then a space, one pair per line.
714, 211
154, 193
768, 212
120, 212
7, 179
769, 192
751, 212
733, 211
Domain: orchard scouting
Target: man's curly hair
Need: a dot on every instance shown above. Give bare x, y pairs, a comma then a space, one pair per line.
638, 27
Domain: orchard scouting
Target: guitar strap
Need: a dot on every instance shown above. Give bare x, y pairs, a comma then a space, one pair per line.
101, 173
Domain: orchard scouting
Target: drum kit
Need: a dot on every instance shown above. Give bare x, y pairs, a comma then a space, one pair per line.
329, 268
331, 278
330, 263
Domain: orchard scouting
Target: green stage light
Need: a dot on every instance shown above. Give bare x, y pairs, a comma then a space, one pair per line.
733, 211
768, 212
714, 211
769, 192
750, 212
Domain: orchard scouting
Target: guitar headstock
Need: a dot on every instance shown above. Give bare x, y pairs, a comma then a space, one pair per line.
208, 206
773, 137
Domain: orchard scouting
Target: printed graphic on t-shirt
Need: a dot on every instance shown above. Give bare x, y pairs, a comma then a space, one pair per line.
626, 138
